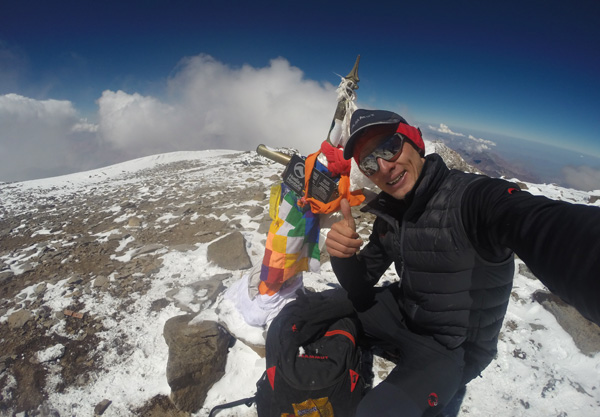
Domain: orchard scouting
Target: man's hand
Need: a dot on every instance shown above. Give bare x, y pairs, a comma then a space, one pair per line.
342, 240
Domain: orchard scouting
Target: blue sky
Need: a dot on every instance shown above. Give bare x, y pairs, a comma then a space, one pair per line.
527, 69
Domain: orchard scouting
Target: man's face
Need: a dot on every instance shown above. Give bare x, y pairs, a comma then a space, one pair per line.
396, 178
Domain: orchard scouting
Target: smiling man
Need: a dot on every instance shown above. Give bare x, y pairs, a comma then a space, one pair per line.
452, 237
378, 143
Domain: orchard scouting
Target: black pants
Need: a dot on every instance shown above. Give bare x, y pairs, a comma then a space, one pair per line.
427, 375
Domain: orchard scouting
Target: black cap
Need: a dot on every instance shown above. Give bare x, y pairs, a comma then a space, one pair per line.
362, 119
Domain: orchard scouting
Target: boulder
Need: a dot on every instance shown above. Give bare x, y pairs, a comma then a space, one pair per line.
134, 222
146, 249
230, 252
18, 319
585, 333
197, 357
101, 407
6, 276
212, 287
101, 281
255, 211
160, 406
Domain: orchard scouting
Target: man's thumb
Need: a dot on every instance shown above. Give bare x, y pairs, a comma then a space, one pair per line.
347, 213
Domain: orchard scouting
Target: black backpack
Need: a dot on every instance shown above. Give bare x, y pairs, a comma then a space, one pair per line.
313, 360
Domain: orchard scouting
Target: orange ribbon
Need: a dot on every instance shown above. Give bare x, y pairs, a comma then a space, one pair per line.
316, 206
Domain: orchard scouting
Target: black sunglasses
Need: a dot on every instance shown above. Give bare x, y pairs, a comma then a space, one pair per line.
389, 149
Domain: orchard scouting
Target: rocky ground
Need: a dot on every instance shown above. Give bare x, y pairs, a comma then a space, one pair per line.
73, 238
69, 250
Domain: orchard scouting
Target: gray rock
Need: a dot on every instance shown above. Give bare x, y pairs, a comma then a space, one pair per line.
40, 288
170, 294
187, 209
585, 333
146, 249
526, 272
197, 356
100, 281
27, 267
116, 237
255, 211
230, 252
76, 279
123, 276
134, 222
101, 407
51, 354
159, 304
18, 319
212, 287
264, 226
6, 276
46, 410
183, 247
128, 205
232, 212
259, 196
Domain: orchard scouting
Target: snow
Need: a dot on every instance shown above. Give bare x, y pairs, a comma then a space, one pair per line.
51, 353
539, 370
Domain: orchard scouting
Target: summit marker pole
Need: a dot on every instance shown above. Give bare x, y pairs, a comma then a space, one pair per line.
346, 96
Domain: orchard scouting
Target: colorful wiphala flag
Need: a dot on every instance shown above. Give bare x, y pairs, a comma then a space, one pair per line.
292, 244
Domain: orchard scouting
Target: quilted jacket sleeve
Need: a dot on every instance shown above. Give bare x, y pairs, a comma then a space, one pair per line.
559, 241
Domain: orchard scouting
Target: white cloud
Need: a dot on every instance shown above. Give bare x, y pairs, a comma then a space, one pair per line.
132, 121
206, 105
35, 136
480, 145
84, 126
445, 129
15, 106
476, 147
582, 178
482, 141
211, 105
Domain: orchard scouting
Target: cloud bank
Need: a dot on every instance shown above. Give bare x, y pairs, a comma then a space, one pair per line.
473, 145
445, 129
582, 177
37, 137
206, 105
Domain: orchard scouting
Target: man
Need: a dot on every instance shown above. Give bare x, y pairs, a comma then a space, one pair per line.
451, 236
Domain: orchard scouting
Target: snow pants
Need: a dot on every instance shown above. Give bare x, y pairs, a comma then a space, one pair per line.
427, 376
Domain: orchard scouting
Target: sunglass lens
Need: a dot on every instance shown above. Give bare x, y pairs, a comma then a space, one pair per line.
389, 150
369, 165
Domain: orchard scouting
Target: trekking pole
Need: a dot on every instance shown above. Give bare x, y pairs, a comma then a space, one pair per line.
248, 401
